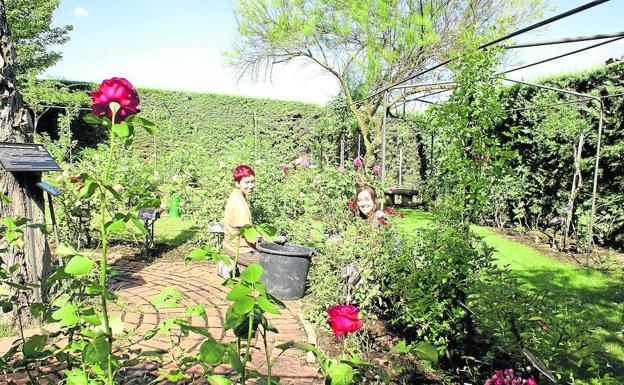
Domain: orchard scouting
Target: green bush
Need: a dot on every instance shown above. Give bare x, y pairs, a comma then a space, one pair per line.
431, 280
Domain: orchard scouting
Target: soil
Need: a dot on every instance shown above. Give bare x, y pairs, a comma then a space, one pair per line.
377, 339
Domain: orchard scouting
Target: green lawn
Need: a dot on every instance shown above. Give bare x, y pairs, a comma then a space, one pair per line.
601, 294
167, 230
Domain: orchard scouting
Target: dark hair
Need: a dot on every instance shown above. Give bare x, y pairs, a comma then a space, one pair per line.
241, 172
373, 195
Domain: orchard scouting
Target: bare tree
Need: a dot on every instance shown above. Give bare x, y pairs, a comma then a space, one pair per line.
367, 45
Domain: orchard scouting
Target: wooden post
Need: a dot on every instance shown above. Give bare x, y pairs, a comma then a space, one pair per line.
590, 237
255, 136
400, 166
53, 219
342, 149
383, 146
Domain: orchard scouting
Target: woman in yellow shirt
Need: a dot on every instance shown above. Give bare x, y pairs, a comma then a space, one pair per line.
236, 216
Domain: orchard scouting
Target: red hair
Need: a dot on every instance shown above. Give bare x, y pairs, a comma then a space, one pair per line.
241, 172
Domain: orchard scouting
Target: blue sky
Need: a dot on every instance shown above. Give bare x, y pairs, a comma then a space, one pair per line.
179, 45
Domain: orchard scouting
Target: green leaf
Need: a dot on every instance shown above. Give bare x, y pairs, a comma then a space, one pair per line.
122, 130
248, 232
6, 306
185, 327
37, 309
76, 377
64, 249
167, 298
232, 319
244, 305
34, 345
92, 119
153, 353
239, 291
341, 374
218, 379
426, 351
268, 232
150, 334
196, 255
400, 347
146, 124
79, 265
91, 317
252, 273
211, 352
97, 351
114, 193
58, 275
66, 315
4, 199
114, 225
148, 203
234, 360
88, 190
266, 305
116, 325
138, 224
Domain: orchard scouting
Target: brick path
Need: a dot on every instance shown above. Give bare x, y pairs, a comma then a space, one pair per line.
138, 283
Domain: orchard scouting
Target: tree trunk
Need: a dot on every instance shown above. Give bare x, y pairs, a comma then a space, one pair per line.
26, 198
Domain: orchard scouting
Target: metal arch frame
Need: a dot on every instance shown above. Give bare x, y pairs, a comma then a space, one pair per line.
586, 97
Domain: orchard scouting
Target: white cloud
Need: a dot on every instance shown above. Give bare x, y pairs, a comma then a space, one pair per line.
80, 11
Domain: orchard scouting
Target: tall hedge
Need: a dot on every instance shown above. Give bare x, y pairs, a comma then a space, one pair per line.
543, 128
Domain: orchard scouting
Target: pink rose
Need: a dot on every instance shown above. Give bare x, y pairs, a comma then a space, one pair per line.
359, 182
531, 381
343, 319
117, 90
393, 189
351, 204
285, 169
357, 162
341, 169
391, 211
377, 170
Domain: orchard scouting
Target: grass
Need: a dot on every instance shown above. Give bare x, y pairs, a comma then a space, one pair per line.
602, 295
167, 230
7, 329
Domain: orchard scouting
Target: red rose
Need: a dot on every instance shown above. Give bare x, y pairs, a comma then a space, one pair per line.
115, 90
351, 204
343, 319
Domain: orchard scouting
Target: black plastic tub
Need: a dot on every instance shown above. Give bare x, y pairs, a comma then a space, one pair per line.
285, 268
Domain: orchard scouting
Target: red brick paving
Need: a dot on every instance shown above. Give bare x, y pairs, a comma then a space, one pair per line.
139, 282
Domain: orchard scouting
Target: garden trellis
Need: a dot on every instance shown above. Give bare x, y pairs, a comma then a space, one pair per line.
612, 37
